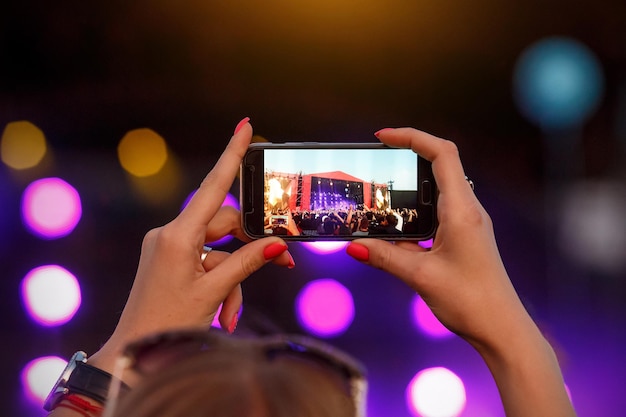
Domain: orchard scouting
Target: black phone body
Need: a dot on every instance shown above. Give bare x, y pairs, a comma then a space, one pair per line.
337, 191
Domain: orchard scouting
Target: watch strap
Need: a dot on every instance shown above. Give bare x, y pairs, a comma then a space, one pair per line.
89, 381
85, 380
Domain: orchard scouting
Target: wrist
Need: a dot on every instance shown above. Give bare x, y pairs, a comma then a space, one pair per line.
105, 359
79, 405
81, 387
527, 373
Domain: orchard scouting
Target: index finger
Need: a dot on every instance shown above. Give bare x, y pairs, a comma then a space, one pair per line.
443, 154
209, 197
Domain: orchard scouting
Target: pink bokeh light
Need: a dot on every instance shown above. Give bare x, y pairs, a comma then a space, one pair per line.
325, 308
51, 208
51, 295
323, 248
427, 243
231, 201
426, 321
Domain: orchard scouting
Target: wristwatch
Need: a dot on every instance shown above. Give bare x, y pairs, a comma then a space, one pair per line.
80, 378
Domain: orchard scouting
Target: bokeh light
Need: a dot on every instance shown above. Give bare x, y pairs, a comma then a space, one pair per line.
39, 376
436, 392
325, 307
142, 152
51, 208
23, 145
231, 201
51, 295
324, 248
558, 83
428, 244
426, 321
591, 226
216, 318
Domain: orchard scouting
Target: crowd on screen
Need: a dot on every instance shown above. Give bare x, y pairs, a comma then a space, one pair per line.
356, 221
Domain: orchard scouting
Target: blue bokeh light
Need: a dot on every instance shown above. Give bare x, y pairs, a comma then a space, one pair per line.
558, 83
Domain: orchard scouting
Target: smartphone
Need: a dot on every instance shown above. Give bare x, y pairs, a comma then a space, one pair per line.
337, 191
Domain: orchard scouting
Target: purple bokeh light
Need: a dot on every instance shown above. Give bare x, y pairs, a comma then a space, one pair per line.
51, 295
324, 248
427, 243
325, 307
51, 208
38, 377
436, 392
231, 201
216, 319
426, 321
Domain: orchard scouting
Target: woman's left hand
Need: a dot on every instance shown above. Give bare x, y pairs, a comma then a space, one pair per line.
174, 287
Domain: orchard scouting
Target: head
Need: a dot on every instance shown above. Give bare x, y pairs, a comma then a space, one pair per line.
242, 379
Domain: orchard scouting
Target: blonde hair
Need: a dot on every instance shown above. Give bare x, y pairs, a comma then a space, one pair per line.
240, 382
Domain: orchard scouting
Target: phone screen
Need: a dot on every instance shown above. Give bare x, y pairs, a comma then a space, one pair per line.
339, 193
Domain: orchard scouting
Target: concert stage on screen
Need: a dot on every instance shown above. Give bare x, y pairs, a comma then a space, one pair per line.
334, 190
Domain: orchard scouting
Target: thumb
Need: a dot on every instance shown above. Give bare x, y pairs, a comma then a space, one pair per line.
222, 279
406, 264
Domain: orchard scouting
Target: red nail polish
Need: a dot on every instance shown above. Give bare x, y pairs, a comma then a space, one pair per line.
381, 130
358, 252
233, 324
292, 263
273, 250
241, 124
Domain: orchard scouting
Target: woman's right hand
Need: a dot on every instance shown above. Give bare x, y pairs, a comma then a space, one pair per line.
463, 281
462, 277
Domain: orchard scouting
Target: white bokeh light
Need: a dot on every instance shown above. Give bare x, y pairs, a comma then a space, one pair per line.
39, 376
436, 392
51, 295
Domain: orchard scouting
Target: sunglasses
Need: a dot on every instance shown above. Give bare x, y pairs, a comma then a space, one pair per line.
152, 354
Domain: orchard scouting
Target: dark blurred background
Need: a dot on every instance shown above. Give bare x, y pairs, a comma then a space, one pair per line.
551, 173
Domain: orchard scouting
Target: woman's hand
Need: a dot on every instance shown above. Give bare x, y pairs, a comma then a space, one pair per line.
465, 284
462, 277
174, 287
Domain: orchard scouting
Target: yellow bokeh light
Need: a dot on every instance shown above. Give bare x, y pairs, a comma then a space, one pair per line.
23, 145
142, 152
258, 139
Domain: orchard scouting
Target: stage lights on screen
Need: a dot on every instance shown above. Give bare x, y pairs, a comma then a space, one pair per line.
51, 208
325, 308
51, 295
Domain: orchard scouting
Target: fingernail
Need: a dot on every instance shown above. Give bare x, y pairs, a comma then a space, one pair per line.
233, 324
292, 263
241, 124
382, 130
273, 250
358, 252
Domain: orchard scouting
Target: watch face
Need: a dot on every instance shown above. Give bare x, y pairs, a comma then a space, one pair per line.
58, 390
